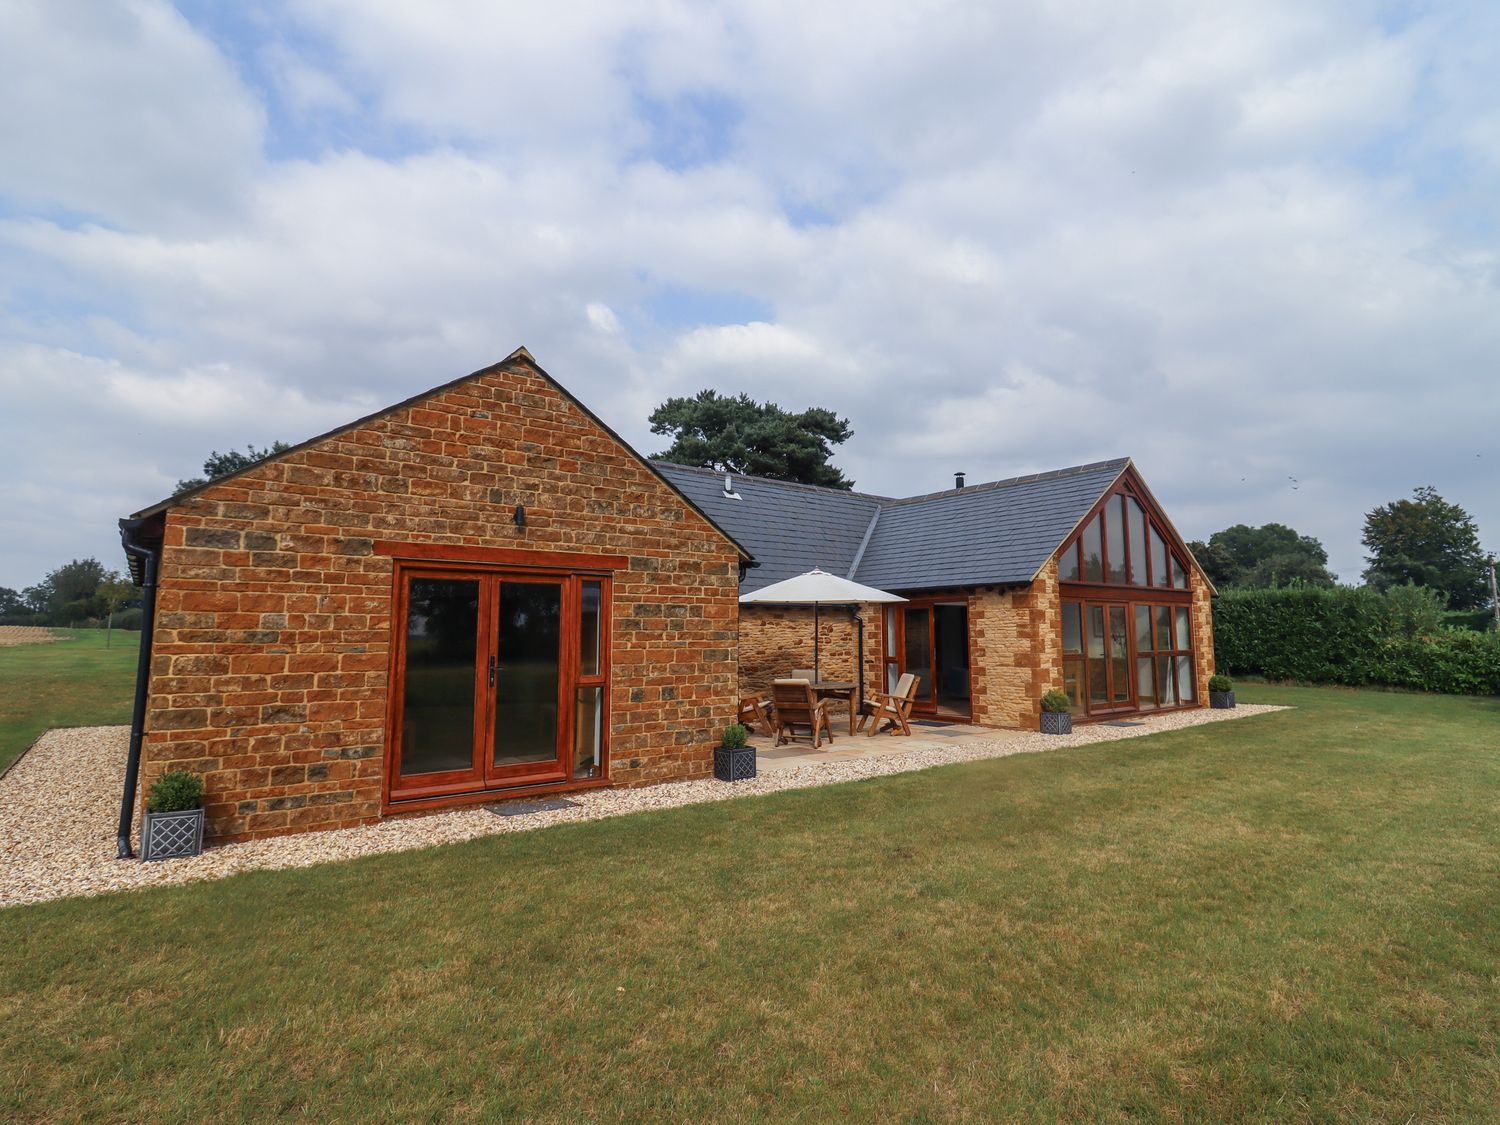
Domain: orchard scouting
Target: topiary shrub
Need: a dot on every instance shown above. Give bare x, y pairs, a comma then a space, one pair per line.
175, 791
1056, 702
1220, 683
735, 737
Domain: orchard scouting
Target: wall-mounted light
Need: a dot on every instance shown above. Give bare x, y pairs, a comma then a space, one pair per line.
520, 516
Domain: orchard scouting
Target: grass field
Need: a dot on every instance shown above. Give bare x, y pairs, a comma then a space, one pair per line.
75, 682
1293, 917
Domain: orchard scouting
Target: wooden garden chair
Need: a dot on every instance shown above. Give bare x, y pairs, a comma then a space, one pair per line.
893, 707
755, 711
804, 674
796, 707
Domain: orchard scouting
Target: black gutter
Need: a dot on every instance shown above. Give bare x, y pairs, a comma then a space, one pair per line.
859, 628
130, 531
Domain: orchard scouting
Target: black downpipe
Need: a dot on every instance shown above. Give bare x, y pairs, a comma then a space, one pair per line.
149, 559
859, 633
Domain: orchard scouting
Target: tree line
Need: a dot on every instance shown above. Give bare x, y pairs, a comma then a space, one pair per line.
1423, 542
78, 594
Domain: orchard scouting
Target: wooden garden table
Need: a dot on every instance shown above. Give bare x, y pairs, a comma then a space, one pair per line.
839, 689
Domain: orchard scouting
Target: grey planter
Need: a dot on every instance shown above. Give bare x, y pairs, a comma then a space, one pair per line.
737, 764
172, 835
1057, 722
1221, 700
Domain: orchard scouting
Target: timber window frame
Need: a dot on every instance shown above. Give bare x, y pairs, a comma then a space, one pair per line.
1124, 543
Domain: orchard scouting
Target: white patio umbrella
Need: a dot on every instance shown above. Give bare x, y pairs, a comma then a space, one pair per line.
817, 588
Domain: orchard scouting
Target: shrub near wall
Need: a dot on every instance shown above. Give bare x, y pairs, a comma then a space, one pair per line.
1347, 636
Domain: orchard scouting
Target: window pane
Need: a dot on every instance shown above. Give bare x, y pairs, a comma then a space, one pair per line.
588, 629
1098, 668
1179, 576
1163, 627
1159, 574
1185, 679
1184, 628
1146, 684
1071, 627
1067, 565
1119, 655
442, 639
1115, 524
588, 733
892, 675
1137, 544
918, 649
1073, 682
1143, 629
1166, 681
1093, 559
526, 677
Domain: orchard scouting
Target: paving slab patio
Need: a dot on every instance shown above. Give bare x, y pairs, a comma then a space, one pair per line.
770, 758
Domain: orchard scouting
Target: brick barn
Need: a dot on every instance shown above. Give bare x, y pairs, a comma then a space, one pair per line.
480, 590
484, 591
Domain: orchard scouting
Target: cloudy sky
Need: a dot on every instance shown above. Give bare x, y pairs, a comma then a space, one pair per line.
1240, 242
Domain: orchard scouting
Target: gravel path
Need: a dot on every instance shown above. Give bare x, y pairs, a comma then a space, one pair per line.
59, 804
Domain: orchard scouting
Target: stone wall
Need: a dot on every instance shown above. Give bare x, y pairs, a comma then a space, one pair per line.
1203, 634
1017, 650
269, 671
776, 639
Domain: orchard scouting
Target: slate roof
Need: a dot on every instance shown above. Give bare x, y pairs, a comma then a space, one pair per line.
789, 528
996, 533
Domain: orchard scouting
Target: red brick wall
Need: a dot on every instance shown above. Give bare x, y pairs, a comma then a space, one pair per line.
274, 615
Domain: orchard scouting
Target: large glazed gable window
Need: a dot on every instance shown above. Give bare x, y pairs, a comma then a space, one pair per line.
1123, 544
1127, 637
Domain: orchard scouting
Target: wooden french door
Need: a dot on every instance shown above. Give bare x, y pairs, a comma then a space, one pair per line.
930, 639
1107, 633
499, 681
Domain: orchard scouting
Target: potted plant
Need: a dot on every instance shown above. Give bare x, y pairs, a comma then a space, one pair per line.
1057, 716
734, 757
1220, 692
174, 817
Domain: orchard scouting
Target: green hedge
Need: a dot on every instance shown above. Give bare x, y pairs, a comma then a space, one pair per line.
1347, 636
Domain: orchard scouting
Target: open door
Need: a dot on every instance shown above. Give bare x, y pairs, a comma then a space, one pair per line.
929, 637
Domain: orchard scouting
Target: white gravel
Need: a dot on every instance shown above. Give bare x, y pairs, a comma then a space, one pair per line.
59, 805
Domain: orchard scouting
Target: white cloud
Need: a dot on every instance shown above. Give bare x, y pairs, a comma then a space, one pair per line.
1240, 242
122, 112
304, 87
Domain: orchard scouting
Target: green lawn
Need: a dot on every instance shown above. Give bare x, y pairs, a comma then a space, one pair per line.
75, 682
1294, 917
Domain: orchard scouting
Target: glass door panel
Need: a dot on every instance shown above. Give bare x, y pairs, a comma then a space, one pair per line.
916, 648
527, 674
1098, 665
1145, 683
439, 689
1119, 656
